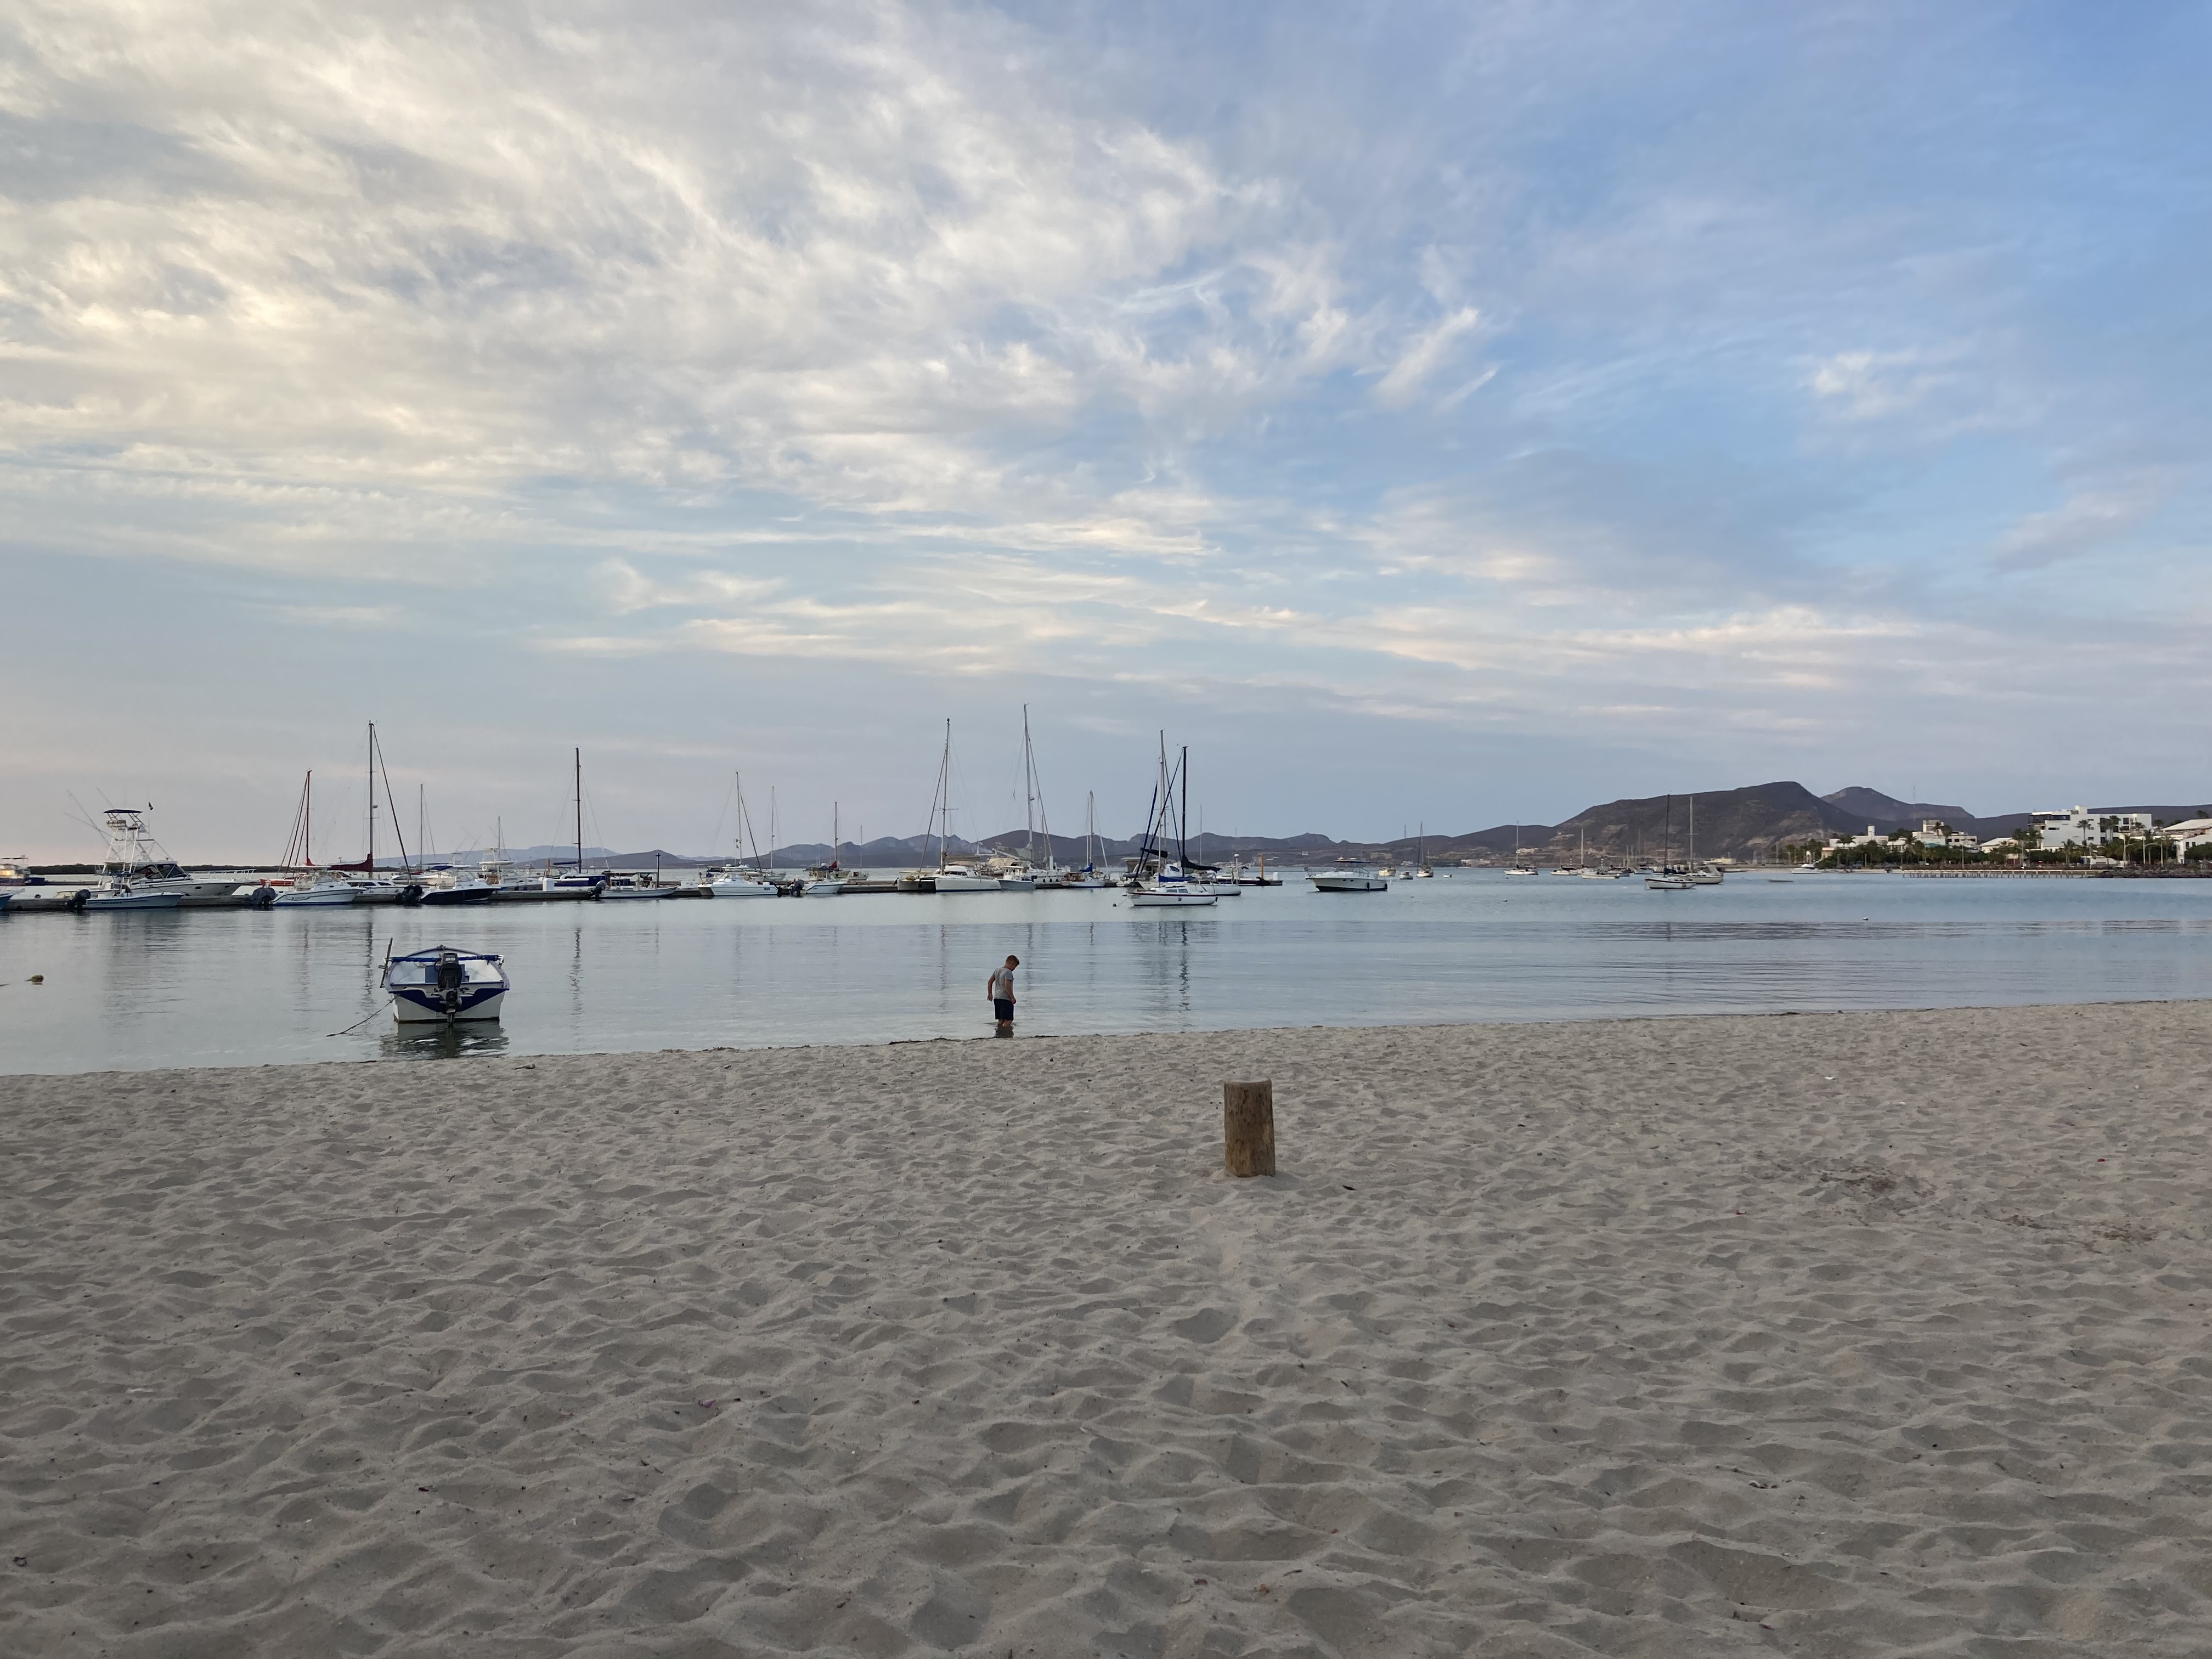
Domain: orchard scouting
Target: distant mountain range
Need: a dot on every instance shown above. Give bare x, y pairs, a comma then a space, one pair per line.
1729, 823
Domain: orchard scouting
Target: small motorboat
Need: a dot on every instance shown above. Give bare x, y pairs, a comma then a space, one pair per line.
732, 882
322, 890
119, 893
634, 885
962, 878
1669, 884
1348, 881
456, 887
444, 984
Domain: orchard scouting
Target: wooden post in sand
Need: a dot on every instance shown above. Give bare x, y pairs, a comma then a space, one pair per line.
1247, 1127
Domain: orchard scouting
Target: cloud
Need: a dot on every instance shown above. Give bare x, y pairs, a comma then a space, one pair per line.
2086, 521
1427, 352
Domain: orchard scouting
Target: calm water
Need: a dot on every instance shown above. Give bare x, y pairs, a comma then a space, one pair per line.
243, 987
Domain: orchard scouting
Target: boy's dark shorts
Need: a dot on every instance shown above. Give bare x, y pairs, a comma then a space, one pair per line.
1005, 1009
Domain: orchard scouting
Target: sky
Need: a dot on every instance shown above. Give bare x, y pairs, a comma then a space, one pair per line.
1431, 416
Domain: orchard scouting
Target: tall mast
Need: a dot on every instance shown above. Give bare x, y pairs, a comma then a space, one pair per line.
1028, 790
836, 835
1182, 820
945, 795
372, 798
579, 809
307, 838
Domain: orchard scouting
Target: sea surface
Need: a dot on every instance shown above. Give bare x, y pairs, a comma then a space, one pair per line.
233, 988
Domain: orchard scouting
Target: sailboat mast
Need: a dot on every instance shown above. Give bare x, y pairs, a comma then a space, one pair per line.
372, 798
580, 809
1183, 817
945, 795
307, 838
1028, 791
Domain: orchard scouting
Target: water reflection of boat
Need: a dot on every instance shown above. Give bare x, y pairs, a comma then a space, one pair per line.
445, 984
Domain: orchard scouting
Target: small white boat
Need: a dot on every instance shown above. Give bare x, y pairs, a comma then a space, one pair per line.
732, 882
118, 893
1667, 884
318, 890
962, 878
628, 884
1348, 881
443, 984
456, 887
576, 881
1521, 869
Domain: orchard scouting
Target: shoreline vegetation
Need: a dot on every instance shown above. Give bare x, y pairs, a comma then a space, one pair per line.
1871, 1333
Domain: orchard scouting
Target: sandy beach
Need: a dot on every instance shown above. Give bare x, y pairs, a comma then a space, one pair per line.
1861, 1335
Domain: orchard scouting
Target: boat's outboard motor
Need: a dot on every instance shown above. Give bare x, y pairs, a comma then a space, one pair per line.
449, 981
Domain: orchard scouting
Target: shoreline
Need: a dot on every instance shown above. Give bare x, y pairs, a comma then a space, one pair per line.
425, 1056
1872, 1332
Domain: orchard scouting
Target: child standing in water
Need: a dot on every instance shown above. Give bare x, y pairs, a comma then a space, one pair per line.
999, 988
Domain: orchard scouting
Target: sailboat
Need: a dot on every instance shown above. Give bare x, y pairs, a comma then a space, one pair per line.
948, 877
307, 886
578, 880
1157, 881
1668, 880
1023, 874
828, 880
1088, 875
733, 880
1698, 875
1519, 868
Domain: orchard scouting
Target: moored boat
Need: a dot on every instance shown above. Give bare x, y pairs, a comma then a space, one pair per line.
319, 890
1348, 881
444, 984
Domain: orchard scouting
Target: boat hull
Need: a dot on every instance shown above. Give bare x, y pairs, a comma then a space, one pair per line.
456, 895
965, 885
740, 889
1155, 901
1349, 884
441, 985
413, 1007
299, 898
134, 901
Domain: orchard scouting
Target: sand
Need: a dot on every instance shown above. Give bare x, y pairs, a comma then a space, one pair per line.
1867, 1334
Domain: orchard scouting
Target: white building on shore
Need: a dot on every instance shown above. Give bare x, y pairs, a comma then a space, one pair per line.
2078, 826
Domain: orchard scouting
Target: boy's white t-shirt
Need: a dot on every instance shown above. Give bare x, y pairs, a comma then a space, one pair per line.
1002, 985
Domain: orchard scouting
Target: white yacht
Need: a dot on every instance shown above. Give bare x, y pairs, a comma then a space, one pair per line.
456, 887
319, 890
1349, 881
960, 879
729, 881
